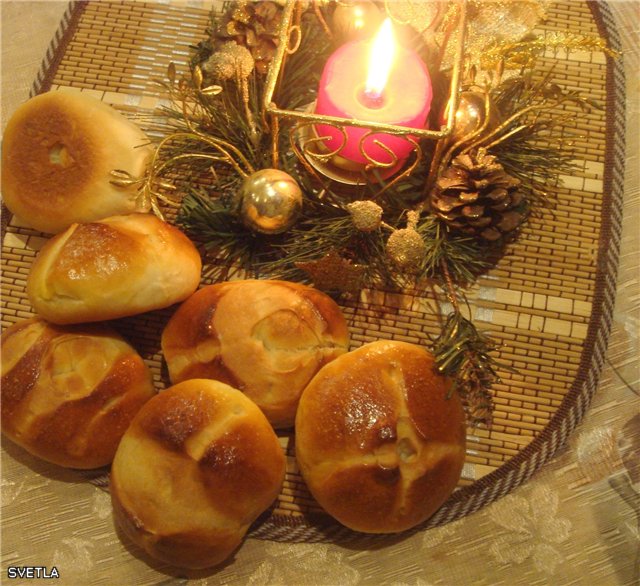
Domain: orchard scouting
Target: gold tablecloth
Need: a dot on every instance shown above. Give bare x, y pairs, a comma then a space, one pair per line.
577, 521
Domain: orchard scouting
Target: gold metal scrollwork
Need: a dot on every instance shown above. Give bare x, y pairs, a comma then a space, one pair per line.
309, 147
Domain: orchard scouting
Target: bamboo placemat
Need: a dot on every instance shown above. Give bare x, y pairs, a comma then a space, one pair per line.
548, 301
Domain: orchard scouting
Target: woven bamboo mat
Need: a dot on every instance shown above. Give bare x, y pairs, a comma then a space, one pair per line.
543, 301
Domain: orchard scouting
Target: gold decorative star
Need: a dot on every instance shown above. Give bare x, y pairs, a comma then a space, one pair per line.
334, 273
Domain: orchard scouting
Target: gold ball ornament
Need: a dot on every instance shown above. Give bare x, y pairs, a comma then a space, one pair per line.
470, 115
406, 249
269, 201
354, 21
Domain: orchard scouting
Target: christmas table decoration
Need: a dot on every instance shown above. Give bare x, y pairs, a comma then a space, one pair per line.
432, 203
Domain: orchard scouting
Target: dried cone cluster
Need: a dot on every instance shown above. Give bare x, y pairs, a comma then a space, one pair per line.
477, 196
255, 26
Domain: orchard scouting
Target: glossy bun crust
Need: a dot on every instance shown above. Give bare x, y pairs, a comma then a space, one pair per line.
58, 152
112, 268
198, 465
69, 393
377, 441
266, 338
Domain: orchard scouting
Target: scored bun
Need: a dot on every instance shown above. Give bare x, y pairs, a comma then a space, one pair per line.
58, 152
112, 268
266, 338
69, 393
378, 442
197, 466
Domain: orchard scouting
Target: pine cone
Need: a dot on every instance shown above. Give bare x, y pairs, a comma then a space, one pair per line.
475, 195
254, 25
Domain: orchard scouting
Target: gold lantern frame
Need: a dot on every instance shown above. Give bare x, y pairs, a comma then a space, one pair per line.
304, 142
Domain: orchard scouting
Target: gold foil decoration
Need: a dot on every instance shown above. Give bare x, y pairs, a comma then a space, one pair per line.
418, 14
524, 53
493, 22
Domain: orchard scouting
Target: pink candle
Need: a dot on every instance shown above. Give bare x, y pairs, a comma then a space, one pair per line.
349, 89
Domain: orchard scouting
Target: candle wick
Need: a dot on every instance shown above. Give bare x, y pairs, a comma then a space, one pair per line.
371, 98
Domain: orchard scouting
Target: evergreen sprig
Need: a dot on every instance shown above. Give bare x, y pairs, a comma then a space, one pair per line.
466, 257
466, 355
216, 136
228, 246
538, 152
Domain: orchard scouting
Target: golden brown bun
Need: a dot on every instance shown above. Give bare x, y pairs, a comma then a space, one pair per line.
58, 151
377, 441
266, 338
197, 466
119, 266
69, 393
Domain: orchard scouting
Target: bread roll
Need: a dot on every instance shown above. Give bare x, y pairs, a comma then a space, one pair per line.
197, 466
266, 338
69, 393
378, 442
58, 152
119, 266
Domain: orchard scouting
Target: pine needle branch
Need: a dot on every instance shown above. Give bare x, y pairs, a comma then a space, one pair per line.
465, 354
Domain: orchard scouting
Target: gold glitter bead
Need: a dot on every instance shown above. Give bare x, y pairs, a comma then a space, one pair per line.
220, 66
406, 249
229, 62
366, 215
242, 58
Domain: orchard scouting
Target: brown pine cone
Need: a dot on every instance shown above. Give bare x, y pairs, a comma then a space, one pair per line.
253, 25
475, 195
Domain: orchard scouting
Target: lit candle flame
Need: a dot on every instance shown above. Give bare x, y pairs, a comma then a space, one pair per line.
380, 61
359, 17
